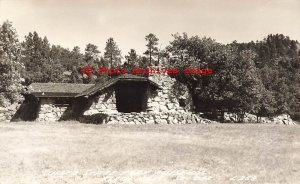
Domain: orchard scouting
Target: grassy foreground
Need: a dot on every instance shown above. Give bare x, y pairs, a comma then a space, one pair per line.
70, 152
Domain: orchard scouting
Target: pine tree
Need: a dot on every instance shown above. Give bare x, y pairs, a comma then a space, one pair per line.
77, 59
152, 50
112, 53
36, 58
90, 60
131, 58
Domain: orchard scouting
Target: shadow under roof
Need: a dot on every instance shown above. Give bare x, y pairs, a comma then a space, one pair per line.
110, 83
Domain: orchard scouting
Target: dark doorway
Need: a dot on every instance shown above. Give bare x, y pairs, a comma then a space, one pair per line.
131, 96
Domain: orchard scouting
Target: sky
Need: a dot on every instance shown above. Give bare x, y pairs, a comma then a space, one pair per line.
72, 23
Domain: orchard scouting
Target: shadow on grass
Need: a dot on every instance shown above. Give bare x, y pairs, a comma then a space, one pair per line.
93, 119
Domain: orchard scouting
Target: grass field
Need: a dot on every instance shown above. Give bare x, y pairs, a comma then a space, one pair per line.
70, 152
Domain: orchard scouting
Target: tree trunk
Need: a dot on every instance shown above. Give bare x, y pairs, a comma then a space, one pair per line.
111, 60
222, 116
150, 56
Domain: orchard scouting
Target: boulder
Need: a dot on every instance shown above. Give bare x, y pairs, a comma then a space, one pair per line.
157, 99
136, 121
165, 96
175, 121
170, 106
163, 108
170, 118
163, 121
50, 115
150, 122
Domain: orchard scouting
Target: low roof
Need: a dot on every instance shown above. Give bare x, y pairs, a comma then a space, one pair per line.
98, 88
56, 89
77, 90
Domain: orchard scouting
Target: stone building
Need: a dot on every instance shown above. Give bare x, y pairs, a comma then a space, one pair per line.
127, 98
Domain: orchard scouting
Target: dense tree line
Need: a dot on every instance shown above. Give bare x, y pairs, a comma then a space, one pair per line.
10, 65
261, 77
278, 64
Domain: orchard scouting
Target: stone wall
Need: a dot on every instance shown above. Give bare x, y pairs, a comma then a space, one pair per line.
49, 111
163, 100
167, 98
6, 113
105, 103
145, 118
162, 107
283, 119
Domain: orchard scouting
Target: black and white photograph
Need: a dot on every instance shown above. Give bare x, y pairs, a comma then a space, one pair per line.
149, 91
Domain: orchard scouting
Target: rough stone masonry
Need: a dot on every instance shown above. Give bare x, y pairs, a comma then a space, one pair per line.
162, 108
